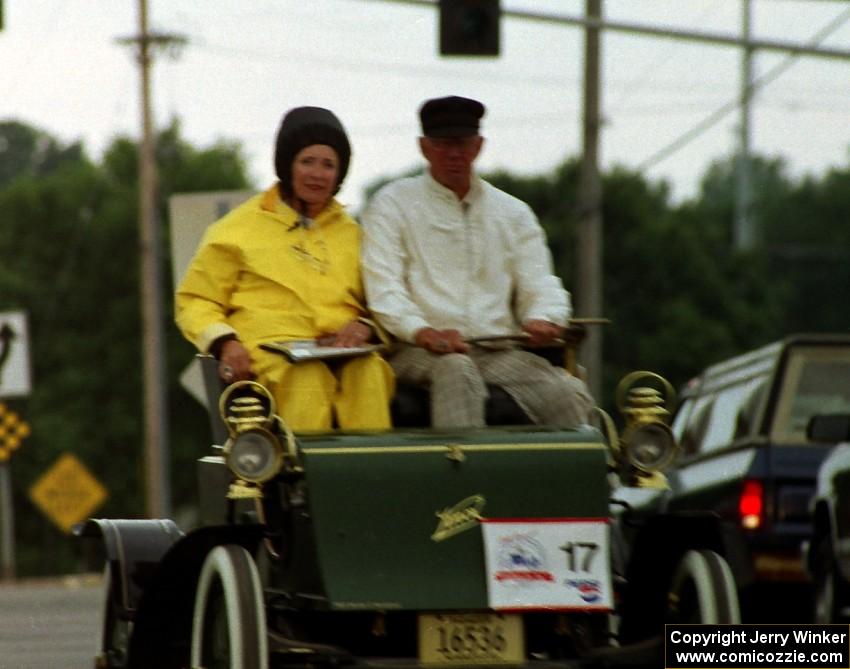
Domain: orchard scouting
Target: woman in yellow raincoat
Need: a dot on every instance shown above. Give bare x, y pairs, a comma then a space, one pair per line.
283, 266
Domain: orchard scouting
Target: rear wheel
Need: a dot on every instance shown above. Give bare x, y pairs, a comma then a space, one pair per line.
703, 591
229, 621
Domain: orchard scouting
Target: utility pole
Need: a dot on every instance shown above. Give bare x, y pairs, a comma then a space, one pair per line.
589, 257
156, 453
744, 232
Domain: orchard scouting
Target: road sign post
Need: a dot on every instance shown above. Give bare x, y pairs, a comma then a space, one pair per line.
13, 431
7, 525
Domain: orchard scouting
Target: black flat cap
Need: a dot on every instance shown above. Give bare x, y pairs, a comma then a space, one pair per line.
450, 117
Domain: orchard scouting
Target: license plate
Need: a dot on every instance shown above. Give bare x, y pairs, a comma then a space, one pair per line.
471, 638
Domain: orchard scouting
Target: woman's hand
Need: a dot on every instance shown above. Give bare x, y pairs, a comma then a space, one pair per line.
353, 333
234, 362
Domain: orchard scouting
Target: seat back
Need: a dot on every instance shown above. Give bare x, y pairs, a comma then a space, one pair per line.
213, 386
411, 407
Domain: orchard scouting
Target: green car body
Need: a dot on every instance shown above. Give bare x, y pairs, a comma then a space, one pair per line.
379, 502
497, 545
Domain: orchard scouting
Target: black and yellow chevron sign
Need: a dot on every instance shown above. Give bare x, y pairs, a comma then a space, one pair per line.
13, 430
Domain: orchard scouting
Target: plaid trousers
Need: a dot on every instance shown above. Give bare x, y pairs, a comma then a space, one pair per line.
458, 385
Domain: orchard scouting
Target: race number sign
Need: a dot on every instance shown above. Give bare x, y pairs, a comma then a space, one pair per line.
548, 564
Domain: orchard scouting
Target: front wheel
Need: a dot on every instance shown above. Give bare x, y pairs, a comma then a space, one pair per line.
703, 591
229, 621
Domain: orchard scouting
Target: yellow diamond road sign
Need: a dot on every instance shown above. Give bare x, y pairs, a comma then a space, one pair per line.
67, 493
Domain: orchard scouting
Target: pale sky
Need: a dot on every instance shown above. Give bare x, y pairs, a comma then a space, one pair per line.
373, 62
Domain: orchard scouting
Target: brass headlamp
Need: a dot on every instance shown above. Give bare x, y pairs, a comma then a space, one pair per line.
647, 444
253, 451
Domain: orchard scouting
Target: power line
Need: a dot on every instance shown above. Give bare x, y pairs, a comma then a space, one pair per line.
377, 67
656, 31
732, 105
662, 58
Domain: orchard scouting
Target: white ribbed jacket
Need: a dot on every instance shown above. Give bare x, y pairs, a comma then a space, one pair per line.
480, 266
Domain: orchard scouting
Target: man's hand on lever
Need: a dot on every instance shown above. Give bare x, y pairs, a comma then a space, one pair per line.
441, 341
541, 332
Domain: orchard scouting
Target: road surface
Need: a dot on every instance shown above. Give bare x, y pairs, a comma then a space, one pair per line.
50, 624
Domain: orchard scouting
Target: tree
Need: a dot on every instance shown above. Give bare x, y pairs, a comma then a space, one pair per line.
25, 151
677, 295
69, 238
803, 241
680, 294
808, 244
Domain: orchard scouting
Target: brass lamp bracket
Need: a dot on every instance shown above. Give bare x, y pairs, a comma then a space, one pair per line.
246, 405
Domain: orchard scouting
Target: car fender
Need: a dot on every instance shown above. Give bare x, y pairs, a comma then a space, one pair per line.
656, 545
828, 510
159, 568
163, 623
825, 533
133, 548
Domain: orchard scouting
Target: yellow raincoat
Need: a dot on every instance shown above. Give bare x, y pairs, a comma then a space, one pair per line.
260, 276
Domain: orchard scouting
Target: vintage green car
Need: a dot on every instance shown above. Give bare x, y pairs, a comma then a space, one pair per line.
500, 546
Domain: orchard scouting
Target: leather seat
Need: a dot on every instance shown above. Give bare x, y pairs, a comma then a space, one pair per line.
411, 407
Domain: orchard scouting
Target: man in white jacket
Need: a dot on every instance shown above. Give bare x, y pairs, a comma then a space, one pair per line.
448, 258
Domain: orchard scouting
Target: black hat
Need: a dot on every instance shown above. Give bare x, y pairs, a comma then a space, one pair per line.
302, 127
450, 117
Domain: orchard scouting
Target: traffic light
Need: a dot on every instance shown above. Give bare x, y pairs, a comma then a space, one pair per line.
469, 27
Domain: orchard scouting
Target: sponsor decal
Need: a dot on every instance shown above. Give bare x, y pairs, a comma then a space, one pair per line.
521, 559
589, 589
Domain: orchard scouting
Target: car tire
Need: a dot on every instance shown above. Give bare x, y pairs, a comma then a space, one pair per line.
830, 596
703, 591
229, 620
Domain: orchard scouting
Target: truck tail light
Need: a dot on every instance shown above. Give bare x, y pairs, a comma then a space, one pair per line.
751, 505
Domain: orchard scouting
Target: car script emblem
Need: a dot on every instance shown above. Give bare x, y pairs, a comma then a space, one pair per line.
458, 518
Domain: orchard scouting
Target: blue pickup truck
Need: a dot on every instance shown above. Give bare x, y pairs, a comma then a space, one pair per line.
747, 455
